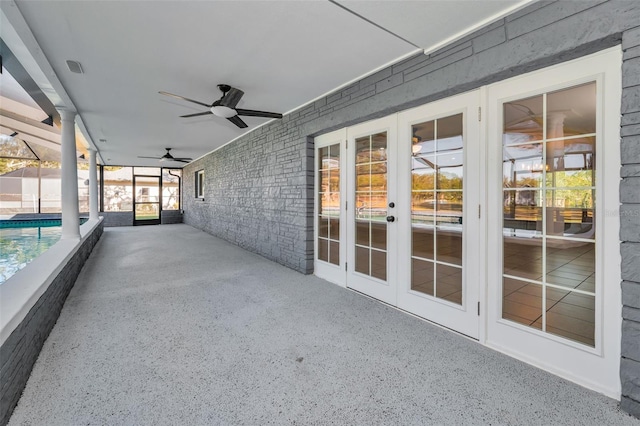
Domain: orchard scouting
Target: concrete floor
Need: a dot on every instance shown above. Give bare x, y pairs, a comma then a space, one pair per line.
169, 325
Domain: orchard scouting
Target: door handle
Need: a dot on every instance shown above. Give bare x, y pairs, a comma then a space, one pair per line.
391, 218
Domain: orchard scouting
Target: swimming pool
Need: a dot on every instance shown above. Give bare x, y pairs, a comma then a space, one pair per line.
21, 241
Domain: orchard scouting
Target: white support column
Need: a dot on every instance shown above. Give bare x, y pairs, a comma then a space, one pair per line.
93, 185
70, 208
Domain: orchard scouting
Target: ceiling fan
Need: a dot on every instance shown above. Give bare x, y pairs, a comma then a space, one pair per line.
168, 157
226, 106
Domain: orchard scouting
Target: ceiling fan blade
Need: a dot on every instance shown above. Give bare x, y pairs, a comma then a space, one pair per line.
231, 98
184, 99
237, 121
154, 158
187, 159
181, 160
197, 114
253, 113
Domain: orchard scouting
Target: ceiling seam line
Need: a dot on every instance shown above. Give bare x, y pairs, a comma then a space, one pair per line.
374, 24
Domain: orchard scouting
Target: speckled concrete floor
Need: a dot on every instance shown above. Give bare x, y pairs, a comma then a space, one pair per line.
169, 325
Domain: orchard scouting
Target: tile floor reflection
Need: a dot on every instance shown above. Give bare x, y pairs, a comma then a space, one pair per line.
570, 265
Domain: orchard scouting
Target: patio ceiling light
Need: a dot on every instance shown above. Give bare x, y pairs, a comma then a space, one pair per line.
223, 111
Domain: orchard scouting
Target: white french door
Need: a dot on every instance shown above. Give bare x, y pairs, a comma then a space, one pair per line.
412, 217
497, 229
439, 232
372, 228
553, 174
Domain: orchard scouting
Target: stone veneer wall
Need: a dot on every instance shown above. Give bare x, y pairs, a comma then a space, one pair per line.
168, 217
117, 218
20, 351
259, 189
630, 221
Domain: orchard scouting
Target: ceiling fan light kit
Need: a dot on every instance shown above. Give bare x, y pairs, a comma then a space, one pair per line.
225, 107
223, 111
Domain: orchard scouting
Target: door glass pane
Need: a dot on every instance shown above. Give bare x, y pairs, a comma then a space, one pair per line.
379, 264
422, 276
449, 245
147, 190
329, 204
549, 189
571, 264
449, 283
522, 213
422, 241
362, 260
147, 197
570, 213
522, 257
371, 205
522, 166
437, 160
571, 163
572, 316
522, 302
147, 211
522, 121
571, 111
379, 235
323, 249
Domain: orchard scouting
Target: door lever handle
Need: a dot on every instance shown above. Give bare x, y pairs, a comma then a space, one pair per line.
391, 218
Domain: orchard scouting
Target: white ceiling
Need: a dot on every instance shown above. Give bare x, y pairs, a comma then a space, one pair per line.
282, 54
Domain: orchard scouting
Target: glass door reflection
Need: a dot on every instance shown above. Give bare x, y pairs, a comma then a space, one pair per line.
549, 188
436, 208
146, 200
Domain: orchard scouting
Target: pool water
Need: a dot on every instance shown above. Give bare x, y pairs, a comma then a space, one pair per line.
19, 246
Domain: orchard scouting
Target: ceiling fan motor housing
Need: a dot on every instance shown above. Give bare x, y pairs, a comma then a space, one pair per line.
231, 97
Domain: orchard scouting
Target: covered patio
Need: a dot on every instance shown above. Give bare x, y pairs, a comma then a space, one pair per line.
170, 325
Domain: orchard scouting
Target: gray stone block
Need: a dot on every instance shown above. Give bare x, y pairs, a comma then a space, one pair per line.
630, 222
630, 261
630, 406
375, 77
449, 50
117, 218
430, 66
631, 314
630, 130
630, 378
631, 340
630, 99
630, 119
633, 52
631, 38
630, 190
630, 150
529, 9
489, 39
390, 82
631, 294
414, 61
549, 15
631, 72
630, 170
